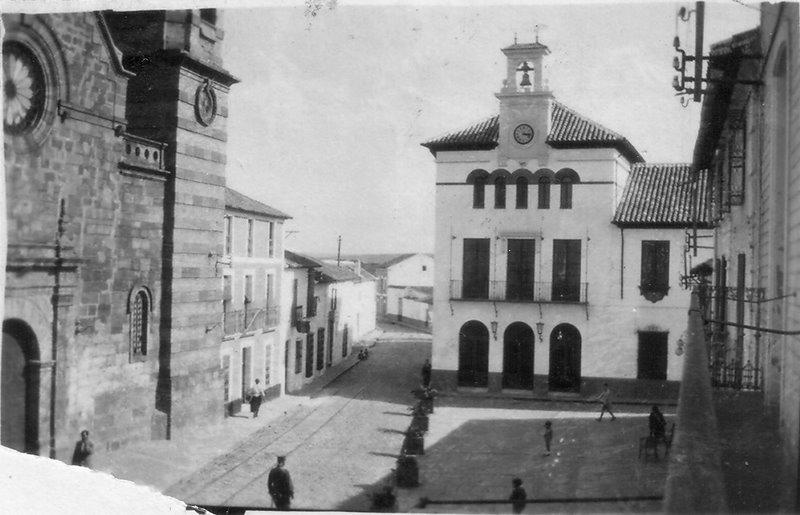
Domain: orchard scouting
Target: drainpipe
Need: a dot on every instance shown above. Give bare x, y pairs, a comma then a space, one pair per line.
59, 261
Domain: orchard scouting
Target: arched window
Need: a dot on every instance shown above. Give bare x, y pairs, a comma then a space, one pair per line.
139, 307
566, 193
544, 193
500, 193
522, 192
479, 192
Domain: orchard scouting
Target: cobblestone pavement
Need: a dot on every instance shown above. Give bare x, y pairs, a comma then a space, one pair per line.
339, 444
342, 442
342, 445
343, 439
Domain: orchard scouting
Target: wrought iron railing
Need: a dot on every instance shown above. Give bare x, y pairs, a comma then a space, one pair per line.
519, 292
731, 293
248, 320
732, 374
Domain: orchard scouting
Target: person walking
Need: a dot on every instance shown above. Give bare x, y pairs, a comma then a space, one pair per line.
518, 496
605, 400
279, 483
426, 373
84, 448
548, 436
256, 396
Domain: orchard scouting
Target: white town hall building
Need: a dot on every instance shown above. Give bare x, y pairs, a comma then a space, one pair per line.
559, 252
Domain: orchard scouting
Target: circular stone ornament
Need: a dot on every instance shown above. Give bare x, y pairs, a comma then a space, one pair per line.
24, 89
205, 104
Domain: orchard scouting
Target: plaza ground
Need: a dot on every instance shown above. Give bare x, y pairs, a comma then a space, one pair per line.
342, 439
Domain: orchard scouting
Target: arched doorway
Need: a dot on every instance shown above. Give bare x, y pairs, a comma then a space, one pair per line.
19, 406
565, 358
518, 356
473, 355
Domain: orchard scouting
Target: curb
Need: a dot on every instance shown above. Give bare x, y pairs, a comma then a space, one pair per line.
633, 402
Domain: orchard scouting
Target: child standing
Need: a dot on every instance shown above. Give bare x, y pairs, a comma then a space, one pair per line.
548, 436
518, 496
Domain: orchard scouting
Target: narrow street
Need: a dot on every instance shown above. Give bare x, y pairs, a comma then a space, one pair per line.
340, 447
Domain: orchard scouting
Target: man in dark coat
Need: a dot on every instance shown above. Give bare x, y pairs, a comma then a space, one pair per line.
426, 373
84, 449
280, 485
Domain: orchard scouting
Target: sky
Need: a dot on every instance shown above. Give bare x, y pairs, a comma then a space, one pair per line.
327, 121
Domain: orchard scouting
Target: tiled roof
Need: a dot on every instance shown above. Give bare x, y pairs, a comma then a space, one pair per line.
332, 274
526, 46
568, 129
240, 202
663, 195
727, 63
398, 259
295, 260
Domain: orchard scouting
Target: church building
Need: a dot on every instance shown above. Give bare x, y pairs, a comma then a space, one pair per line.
559, 251
114, 143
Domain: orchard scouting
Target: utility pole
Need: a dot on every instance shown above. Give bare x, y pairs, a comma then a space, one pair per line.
698, 51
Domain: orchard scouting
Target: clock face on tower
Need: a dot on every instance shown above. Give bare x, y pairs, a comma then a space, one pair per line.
523, 134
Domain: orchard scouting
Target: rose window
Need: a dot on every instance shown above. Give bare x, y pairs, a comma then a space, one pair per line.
23, 89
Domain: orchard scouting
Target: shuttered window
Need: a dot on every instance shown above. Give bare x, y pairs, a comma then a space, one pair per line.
476, 268
519, 275
544, 193
320, 348
566, 193
479, 193
500, 193
566, 270
655, 269
522, 193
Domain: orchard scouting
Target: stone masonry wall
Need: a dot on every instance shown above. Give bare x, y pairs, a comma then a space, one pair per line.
113, 225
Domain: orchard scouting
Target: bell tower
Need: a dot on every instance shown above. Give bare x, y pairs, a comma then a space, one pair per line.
525, 106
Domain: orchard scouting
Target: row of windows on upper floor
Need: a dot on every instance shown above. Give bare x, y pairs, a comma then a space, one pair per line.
228, 230
566, 286
565, 177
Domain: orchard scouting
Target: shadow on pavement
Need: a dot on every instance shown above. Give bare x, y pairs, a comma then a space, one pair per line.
750, 452
477, 459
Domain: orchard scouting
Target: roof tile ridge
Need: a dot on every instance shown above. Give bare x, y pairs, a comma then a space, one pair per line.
588, 120
452, 133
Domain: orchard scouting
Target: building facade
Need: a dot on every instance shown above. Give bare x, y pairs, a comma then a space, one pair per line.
252, 277
749, 144
114, 163
339, 311
300, 321
554, 270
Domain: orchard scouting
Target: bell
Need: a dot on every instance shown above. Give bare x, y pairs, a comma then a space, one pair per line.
526, 79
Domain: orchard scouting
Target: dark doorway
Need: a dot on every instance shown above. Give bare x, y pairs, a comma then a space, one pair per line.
565, 358
310, 354
473, 355
247, 356
652, 361
518, 357
20, 388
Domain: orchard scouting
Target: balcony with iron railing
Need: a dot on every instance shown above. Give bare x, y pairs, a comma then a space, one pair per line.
249, 320
506, 291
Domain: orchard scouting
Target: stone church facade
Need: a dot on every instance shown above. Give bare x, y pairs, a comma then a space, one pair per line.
115, 129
